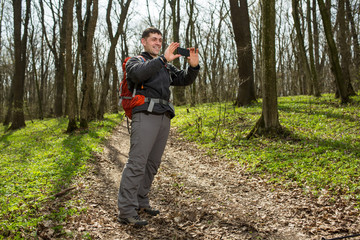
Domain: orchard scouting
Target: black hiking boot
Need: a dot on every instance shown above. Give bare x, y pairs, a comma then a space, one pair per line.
136, 221
150, 211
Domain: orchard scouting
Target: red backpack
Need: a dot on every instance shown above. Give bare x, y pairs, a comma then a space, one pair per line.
129, 99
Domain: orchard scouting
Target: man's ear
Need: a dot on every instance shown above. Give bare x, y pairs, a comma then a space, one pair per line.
143, 41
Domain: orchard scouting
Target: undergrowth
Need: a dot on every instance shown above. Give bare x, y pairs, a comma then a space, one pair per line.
39, 161
322, 152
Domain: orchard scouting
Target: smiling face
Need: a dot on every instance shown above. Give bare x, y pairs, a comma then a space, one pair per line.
152, 44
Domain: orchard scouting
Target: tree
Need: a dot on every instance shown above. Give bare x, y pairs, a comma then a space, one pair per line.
241, 26
86, 39
190, 38
314, 75
110, 63
344, 47
1, 71
20, 43
179, 91
268, 124
58, 50
70, 83
300, 38
355, 39
333, 54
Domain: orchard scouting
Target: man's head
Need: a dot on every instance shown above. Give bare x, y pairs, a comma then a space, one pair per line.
151, 39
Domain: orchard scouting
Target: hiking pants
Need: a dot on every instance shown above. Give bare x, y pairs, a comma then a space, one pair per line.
149, 133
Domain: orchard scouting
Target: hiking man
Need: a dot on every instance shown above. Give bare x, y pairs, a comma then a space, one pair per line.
152, 76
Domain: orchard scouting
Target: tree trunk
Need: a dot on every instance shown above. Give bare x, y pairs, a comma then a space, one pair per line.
268, 124
302, 51
241, 26
1, 71
70, 83
333, 54
59, 76
344, 47
355, 39
316, 86
87, 110
110, 63
316, 38
178, 91
114, 90
18, 118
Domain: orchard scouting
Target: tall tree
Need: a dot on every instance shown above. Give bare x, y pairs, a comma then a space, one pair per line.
1, 71
241, 26
110, 63
60, 73
44, 67
333, 53
70, 83
86, 35
179, 91
302, 51
190, 39
268, 124
355, 39
57, 48
344, 46
20, 43
314, 75
316, 41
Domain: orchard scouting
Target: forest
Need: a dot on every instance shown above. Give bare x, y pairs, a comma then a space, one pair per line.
63, 58
273, 113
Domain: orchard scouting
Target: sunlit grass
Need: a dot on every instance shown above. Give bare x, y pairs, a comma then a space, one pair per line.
322, 152
37, 162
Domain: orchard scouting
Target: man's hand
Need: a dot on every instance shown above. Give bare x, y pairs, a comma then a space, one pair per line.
193, 59
169, 52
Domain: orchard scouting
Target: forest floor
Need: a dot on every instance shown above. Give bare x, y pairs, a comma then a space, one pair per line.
200, 197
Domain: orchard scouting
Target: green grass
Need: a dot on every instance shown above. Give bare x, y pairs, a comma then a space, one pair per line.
38, 161
322, 152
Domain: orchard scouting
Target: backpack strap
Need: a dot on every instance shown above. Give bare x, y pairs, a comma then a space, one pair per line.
135, 86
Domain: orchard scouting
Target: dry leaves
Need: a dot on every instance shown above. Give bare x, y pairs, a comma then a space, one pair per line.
201, 198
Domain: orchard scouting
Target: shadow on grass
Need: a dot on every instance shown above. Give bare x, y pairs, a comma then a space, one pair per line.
4, 139
317, 112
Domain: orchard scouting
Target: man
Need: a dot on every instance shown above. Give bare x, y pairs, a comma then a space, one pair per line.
152, 76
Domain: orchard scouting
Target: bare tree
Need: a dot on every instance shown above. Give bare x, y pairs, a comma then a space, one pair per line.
269, 120
314, 75
1, 71
179, 91
355, 39
58, 50
43, 72
302, 51
190, 39
20, 43
333, 54
344, 47
86, 39
241, 26
70, 83
110, 63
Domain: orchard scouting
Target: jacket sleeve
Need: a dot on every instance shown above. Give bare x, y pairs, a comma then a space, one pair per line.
183, 77
139, 71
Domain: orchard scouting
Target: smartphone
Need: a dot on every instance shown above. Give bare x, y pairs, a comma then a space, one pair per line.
183, 52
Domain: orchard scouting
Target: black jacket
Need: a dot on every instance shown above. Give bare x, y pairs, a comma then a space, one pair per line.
153, 79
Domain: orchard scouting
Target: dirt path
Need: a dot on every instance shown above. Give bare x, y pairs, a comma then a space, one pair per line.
202, 198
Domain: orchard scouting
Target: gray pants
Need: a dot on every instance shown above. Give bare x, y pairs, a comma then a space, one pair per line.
149, 134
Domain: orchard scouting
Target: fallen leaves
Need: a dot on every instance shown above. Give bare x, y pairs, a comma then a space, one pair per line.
202, 197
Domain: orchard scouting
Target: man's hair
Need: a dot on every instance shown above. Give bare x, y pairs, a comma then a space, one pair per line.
149, 30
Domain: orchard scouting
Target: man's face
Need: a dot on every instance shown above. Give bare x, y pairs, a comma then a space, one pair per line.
152, 44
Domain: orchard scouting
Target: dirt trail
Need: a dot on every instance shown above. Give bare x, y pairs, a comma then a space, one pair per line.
202, 198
